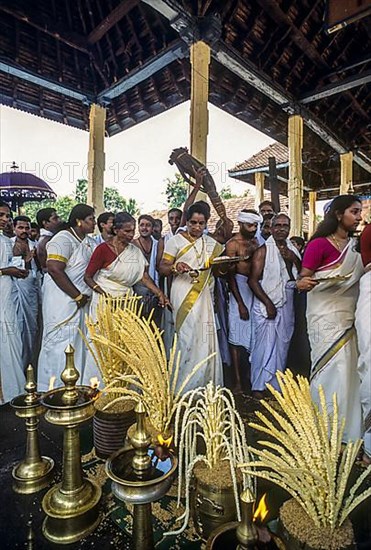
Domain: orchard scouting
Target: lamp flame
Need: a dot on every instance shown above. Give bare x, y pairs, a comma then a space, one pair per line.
164, 442
94, 382
51, 383
261, 511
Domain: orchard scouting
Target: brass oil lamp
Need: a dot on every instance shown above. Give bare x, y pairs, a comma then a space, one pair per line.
34, 472
72, 506
139, 479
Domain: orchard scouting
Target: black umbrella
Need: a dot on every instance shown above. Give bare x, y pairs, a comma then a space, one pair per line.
20, 187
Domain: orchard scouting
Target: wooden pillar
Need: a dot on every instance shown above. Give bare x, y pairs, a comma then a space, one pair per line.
346, 173
199, 118
96, 157
295, 185
273, 184
312, 212
259, 188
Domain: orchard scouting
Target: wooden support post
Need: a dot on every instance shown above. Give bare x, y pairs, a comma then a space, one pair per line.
312, 212
199, 117
273, 184
96, 157
346, 173
295, 185
259, 188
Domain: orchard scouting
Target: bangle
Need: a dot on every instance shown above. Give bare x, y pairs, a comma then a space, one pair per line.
79, 298
96, 286
1, 272
174, 269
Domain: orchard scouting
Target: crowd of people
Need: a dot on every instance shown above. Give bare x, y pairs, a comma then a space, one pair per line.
231, 299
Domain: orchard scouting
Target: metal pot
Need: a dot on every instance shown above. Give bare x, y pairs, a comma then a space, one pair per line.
211, 506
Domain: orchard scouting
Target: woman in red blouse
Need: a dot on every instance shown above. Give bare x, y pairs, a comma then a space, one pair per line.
331, 270
117, 265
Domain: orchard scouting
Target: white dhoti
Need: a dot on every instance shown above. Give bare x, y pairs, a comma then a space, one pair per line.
11, 369
363, 327
272, 339
27, 299
240, 330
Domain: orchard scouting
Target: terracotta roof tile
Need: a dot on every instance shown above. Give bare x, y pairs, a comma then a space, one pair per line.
260, 160
233, 207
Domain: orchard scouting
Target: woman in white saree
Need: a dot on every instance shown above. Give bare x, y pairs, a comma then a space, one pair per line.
331, 272
193, 301
65, 295
115, 267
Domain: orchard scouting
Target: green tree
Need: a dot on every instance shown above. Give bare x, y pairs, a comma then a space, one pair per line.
113, 201
176, 191
226, 193
81, 191
63, 206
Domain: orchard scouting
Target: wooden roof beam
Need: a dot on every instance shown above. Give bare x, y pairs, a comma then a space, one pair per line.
178, 50
47, 26
112, 18
43, 82
337, 87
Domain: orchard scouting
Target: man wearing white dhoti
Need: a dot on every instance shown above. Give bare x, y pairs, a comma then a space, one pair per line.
148, 245
331, 271
66, 295
192, 301
275, 266
174, 217
12, 378
27, 291
242, 244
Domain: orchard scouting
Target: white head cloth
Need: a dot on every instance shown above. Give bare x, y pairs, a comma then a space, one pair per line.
249, 217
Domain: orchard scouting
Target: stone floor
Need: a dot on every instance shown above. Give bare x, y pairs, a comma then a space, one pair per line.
21, 516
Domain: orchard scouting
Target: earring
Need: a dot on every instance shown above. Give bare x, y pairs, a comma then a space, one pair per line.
78, 224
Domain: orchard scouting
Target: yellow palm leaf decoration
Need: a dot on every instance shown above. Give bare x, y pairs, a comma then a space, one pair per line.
304, 453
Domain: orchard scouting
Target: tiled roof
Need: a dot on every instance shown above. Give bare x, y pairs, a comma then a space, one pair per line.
260, 160
233, 207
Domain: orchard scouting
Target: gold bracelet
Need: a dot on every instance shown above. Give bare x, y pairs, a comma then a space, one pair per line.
1, 272
95, 286
173, 269
79, 298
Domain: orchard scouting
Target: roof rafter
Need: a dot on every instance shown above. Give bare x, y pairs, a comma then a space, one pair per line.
233, 61
337, 87
112, 18
49, 27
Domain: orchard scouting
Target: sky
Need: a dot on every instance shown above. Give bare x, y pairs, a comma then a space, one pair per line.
136, 159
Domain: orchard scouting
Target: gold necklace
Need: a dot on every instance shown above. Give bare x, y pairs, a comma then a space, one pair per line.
199, 255
337, 244
76, 235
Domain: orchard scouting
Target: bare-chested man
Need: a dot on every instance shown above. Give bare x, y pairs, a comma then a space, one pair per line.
242, 244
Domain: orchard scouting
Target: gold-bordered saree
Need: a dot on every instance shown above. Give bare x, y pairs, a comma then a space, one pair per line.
330, 316
194, 309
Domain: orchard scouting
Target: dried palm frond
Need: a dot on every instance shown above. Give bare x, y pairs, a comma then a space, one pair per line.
209, 415
108, 362
137, 343
304, 453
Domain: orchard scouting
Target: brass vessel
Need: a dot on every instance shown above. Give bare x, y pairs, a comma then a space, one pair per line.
246, 532
72, 506
211, 506
137, 479
34, 472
